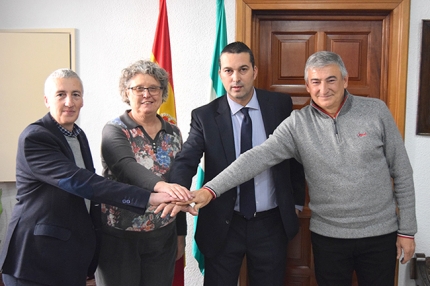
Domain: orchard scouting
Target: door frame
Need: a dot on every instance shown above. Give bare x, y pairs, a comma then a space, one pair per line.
396, 36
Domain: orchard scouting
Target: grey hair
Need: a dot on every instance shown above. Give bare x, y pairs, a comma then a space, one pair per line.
323, 59
143, 67
60, 73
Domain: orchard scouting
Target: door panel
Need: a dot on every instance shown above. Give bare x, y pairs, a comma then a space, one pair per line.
286, 42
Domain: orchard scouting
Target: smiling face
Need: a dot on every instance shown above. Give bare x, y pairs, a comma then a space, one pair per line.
64, 98
237, 76
326, 87
145, 104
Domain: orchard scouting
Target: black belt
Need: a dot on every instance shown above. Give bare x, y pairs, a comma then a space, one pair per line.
260, 214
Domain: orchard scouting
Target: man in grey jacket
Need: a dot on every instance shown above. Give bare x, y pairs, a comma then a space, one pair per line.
357, 171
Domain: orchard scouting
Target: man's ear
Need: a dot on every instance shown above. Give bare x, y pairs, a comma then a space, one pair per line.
307, 87
255, 72
46, 101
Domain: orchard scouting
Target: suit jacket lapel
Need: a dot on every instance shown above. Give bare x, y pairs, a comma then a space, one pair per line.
52, 127
268, 112
86, 153
225, 128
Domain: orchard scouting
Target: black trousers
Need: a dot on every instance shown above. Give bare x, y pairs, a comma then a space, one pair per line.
372, 258
264, 242
10, 280
137, 258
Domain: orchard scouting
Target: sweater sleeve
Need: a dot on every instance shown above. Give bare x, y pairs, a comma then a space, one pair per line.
119, 158
274, 150
401, 173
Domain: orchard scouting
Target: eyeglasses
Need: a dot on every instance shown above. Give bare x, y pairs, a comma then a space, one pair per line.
152, 90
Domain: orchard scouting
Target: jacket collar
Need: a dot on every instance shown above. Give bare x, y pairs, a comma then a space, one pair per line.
344, 106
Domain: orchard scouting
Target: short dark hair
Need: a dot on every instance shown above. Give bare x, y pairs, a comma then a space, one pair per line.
237, 48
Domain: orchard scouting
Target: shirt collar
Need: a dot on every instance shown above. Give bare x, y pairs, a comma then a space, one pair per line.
236, 107
74, 133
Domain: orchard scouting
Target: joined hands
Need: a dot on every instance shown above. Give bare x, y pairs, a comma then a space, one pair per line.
173, 198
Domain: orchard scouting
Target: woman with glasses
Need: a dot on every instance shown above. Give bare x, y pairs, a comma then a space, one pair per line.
138, 148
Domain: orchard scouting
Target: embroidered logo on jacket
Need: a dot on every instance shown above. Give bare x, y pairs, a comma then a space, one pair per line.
361, 134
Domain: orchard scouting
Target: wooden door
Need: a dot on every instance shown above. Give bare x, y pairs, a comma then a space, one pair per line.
282, 39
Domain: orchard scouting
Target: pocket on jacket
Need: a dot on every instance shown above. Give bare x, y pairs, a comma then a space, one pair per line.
52, 231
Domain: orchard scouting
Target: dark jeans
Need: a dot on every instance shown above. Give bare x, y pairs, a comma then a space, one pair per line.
372, 258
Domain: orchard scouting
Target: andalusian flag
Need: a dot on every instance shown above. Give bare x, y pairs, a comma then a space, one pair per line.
162, 56
216, 90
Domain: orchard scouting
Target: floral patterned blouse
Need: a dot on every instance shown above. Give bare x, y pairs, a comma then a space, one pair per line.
131, 156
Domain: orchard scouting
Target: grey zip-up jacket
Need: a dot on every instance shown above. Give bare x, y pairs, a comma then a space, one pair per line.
356, 168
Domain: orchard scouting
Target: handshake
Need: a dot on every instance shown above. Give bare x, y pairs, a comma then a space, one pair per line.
173, 198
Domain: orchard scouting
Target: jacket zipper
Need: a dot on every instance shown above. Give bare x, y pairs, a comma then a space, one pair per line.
335, 130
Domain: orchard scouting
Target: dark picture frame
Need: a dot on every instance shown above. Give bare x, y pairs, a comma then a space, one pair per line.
423, 117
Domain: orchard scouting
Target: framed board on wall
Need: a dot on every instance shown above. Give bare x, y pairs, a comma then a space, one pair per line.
27, 57
423, 117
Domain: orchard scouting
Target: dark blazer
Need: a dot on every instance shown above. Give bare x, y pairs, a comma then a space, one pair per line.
51, 238
211, 133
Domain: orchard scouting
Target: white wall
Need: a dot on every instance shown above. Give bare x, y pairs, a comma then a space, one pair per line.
417, 146
113, 34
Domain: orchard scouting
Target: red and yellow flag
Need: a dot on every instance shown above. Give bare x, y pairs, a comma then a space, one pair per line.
162, 56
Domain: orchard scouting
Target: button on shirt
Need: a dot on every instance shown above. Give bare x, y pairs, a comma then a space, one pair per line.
264, 186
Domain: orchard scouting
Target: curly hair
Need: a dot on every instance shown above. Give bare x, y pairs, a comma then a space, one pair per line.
143, 67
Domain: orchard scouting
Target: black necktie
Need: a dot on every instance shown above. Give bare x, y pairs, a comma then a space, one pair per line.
247, 189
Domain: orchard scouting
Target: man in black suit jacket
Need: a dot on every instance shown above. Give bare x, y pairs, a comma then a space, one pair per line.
223, 235
51, 238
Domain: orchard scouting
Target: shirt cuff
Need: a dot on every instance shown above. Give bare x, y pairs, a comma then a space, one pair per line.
300, 208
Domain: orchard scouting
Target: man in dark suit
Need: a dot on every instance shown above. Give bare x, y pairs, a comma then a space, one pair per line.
225, 234
51, 238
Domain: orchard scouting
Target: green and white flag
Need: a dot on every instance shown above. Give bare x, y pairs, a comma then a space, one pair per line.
216, 90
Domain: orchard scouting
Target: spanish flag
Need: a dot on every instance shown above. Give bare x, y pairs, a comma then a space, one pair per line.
162, 56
